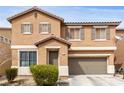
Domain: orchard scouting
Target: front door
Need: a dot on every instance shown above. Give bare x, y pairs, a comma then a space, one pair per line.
53, 57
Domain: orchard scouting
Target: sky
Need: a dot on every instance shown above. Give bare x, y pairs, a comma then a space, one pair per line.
70, 13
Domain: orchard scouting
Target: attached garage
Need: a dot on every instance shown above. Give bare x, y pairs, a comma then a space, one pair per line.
81, 65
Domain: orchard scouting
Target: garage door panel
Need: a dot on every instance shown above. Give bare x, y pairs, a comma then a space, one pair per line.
87, 66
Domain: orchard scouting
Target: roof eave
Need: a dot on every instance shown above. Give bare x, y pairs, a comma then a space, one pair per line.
93, 23
6, 28
119, 28
53, 37
37, 9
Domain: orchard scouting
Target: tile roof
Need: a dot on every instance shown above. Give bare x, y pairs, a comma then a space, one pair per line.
93, 23
53, 37
119, 29
31, 9
73, 18
5, 28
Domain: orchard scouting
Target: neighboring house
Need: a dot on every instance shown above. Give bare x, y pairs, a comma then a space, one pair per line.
5, 49
5, 35
119, 59
39, 37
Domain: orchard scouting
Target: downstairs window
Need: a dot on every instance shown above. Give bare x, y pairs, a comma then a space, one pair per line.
28, 58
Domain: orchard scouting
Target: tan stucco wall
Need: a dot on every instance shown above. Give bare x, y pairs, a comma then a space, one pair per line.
5, 32
20, 39
63, 52
15, 59
88, 42
58, 30
110, 59
120, 49
42, 53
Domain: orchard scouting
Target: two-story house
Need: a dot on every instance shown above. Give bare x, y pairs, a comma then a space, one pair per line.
39, 37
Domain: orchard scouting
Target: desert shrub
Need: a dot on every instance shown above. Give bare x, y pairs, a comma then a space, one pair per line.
11, 74
44, 74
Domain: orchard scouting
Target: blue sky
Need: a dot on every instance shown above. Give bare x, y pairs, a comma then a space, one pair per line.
71, 14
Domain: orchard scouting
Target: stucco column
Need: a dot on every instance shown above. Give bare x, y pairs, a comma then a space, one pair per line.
110, 64
63, 61
15, 58
42, 55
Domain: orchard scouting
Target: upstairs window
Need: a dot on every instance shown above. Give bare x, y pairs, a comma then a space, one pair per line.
75, 34
1, 39
26, 28
45, 27
100, 33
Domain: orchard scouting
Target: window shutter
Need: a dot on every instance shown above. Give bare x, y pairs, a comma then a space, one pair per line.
66, 34
108, 33
31, 28
49, 28
22, 28
82, 36
39, 28
93, 34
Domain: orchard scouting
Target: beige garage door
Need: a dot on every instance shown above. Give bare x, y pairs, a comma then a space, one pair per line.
79, 66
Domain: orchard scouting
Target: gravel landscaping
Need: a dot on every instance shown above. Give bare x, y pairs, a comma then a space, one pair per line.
27, 81
19, 81
77, 80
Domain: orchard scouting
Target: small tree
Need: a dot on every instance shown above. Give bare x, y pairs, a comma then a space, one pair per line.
11, 74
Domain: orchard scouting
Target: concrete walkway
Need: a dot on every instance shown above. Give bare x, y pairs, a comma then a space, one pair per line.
95, 80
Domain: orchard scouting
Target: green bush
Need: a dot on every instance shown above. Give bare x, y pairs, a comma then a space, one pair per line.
44, 74
11, 74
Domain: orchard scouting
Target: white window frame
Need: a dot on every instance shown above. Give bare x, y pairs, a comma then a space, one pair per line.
100, 27
28, 50
79, 34
24, 23
40, 29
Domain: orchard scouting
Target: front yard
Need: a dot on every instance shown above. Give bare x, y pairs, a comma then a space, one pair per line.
77, 80
26, 81
19, 81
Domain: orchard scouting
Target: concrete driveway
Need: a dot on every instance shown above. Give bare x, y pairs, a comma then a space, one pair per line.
95, 80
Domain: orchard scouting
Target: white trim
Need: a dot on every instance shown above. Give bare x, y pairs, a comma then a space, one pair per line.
100, 40
14, 66
74, 39
52, 47
26, 50
100, 34
44, 33
110, 69
27, 33
63, 71
26, 23
89, 55
119, 37
74, 26
24, 70
93, 48
22, 46
100, 26
44, 22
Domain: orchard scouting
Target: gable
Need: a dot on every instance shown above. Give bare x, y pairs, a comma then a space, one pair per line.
35, 10
61, 40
